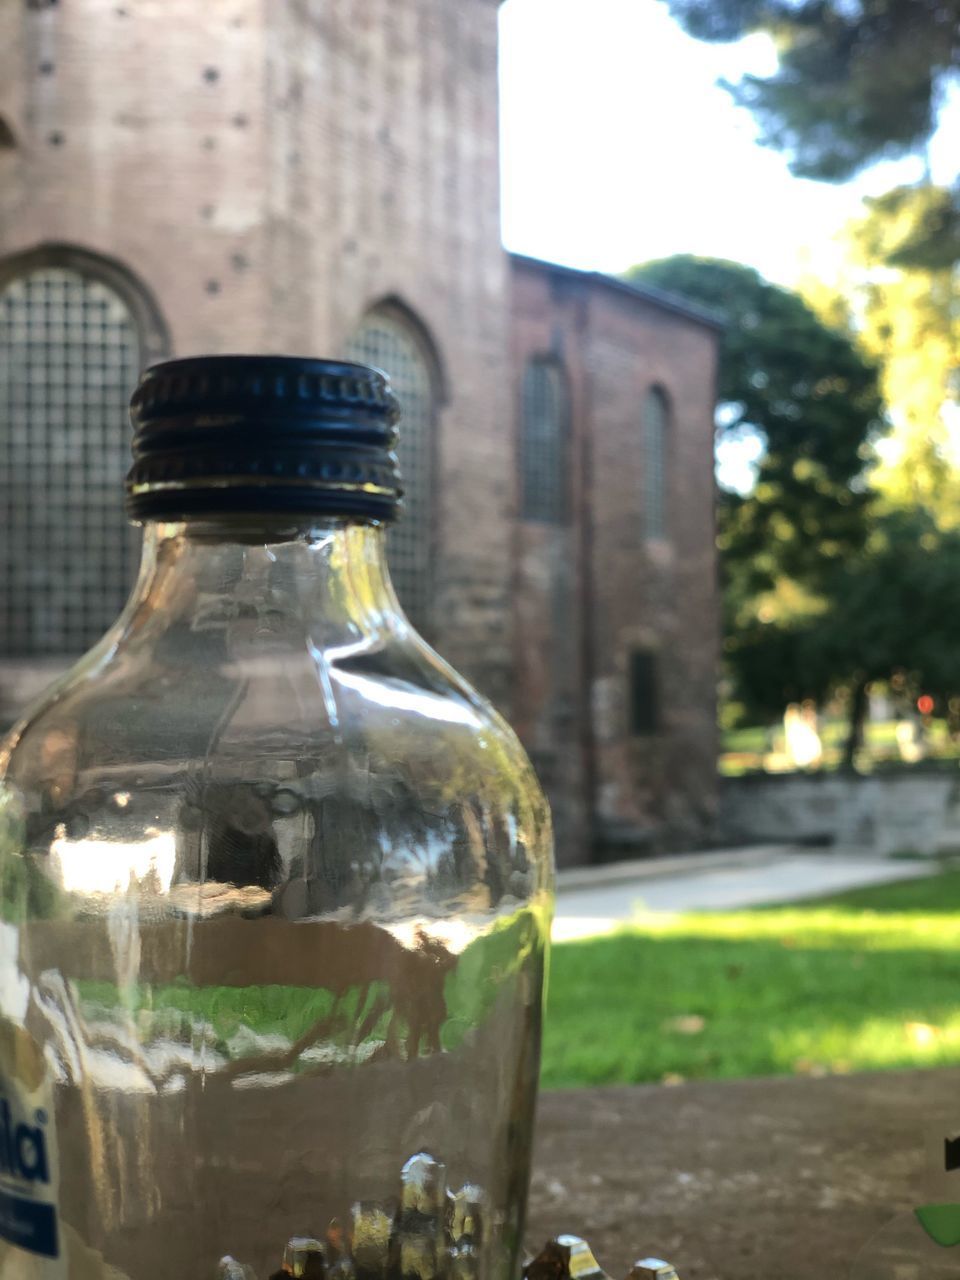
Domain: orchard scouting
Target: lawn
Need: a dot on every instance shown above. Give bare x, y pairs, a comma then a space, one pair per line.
746, 749
862, 981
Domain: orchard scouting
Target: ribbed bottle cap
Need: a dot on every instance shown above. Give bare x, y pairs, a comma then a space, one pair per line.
216, 434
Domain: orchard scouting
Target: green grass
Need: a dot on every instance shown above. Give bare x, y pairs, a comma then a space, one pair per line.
753, 738
744, 749
863, 981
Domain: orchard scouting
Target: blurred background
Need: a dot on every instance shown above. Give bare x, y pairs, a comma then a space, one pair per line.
668, 292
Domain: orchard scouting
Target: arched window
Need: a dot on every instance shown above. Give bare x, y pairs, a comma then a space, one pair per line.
656, 418
543, 432
71, 349
393, 343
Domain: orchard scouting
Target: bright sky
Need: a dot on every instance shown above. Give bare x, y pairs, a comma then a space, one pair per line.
619, 146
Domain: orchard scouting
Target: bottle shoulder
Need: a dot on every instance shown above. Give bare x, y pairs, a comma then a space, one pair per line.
285, 761
394, 691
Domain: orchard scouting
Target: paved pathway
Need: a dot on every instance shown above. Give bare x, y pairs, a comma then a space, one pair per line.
595, 900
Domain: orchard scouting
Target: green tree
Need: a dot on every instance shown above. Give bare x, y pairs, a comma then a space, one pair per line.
907, 312
887, 612
858, 80
891, 612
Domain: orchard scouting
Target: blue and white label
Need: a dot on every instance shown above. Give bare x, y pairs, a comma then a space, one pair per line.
30, 1224
28, 1184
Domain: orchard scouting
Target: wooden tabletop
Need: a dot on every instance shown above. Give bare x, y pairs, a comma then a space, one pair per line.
778, 1179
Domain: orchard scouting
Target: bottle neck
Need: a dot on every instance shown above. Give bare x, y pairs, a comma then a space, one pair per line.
265, 584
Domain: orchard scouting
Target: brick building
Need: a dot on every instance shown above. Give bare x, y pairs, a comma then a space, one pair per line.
317, 177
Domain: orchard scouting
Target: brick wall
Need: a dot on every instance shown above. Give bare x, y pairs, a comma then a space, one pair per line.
551, 701
390, 191
268, 171
140, 135
627, 592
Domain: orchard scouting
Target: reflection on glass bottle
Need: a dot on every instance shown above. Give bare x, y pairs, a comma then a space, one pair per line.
466, 1225
303, 1258
275, 882
423, 1199
230, 1269
372, 1238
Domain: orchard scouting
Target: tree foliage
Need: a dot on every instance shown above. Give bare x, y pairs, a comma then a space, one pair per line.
888, 612
906, 315
807, 391
858, 80
914, 227
908, 318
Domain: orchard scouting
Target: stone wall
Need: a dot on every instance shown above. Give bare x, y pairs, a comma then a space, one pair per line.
915, 812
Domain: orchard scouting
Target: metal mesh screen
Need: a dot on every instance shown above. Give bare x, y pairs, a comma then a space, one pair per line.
388, 344
542, 443
69, 358
655, 415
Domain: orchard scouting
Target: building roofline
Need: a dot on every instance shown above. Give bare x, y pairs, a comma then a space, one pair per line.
641, 292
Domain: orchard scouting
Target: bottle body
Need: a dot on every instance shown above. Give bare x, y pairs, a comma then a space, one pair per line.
276, 894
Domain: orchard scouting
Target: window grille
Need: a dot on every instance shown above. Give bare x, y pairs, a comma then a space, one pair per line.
655, 419
543, 443
388, 343
69, 358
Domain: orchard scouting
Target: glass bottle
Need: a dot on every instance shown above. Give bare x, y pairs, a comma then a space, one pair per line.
275, 882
